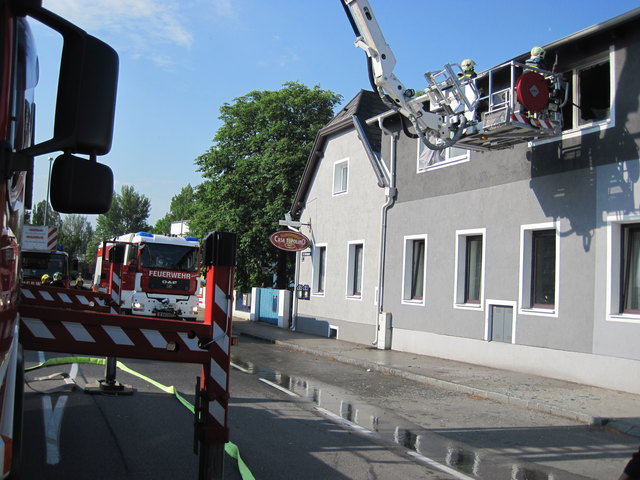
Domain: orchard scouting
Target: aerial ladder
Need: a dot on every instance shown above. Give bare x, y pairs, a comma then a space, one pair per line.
503, 106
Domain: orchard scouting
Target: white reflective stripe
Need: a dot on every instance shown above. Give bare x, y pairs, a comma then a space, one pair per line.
117, 335
82, 299
218, 374
64, 297
217, 411
99, 301
155, 338
46, 295
192, 343
37, 328
115, 292
78, 332
221, 300
28, 294
223, 342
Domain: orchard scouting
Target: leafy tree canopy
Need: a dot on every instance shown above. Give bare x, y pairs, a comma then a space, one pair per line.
252, 172
181, 209
128, 213
37, 216
75, 234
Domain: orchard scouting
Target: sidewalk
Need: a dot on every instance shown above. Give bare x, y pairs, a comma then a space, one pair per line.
582, 403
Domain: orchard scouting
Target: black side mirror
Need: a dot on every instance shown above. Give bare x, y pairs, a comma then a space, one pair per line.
85, 106
80, 186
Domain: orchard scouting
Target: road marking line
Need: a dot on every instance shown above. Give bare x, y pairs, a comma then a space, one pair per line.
439, 466
52, 425
238, 367
278, 387
344, 421
53, 417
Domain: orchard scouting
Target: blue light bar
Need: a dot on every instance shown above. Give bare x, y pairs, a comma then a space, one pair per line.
191, 239
145, 234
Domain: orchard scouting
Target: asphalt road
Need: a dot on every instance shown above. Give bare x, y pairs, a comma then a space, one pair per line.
149, 435
295, 415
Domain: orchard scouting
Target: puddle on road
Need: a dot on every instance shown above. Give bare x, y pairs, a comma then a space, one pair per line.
392, 428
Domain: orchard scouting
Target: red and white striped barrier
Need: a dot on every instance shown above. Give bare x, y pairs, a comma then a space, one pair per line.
215, 376
106, 334
519, 117
541, 123
67, 298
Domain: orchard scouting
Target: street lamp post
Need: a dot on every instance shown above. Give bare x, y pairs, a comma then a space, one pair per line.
46, 202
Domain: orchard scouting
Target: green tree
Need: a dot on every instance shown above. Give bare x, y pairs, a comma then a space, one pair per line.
128, 213
181, 209
75, 234
37, 216
252, 171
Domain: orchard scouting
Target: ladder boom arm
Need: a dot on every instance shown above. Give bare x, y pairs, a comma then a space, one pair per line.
383, 61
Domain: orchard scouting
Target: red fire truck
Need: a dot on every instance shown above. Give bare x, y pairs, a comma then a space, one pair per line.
84, 117
158, 277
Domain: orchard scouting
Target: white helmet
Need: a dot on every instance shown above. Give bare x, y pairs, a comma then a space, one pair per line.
467, 64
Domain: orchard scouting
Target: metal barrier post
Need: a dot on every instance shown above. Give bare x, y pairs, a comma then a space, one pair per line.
211, 416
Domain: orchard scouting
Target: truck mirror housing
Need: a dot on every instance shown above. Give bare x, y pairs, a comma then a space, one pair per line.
80, 186
85, 106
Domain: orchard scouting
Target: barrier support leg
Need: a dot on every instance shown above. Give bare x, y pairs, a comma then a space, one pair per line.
109, 386
211, 461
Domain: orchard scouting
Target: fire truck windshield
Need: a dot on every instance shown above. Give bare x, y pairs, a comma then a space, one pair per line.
169, 257
36, 264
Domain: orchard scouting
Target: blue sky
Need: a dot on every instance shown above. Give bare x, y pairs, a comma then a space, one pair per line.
181, 60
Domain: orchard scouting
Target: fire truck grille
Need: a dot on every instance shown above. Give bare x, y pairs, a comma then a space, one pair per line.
169, 284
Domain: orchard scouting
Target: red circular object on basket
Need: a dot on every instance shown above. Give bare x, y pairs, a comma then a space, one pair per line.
532, 91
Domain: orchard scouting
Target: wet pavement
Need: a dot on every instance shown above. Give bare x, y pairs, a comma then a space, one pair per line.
615, 410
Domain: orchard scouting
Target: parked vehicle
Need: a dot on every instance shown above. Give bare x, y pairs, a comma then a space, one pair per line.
159, 274
41, 254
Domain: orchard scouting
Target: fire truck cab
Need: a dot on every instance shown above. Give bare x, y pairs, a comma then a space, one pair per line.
158, 274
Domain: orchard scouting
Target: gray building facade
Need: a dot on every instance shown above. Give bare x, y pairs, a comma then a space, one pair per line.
530, 252
526, 258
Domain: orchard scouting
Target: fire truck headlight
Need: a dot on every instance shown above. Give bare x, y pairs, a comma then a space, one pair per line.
195, 310
136, 306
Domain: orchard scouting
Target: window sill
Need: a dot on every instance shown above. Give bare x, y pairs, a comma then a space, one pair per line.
576, 132
318, 294
446, 163
541, 312
624, 318
469, 306
354, 297
415, 303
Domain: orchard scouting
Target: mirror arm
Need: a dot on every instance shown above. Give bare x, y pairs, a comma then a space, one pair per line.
11, 162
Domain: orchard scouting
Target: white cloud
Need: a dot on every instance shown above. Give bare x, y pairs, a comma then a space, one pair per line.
142, 28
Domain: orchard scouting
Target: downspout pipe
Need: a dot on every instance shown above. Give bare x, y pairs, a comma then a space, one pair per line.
390, 192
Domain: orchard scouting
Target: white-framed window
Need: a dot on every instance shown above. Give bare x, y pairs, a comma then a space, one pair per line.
591, 97
469, 273
319, 266
355, 259
340, 177
539, 269
623, 268
415, 271
428, 159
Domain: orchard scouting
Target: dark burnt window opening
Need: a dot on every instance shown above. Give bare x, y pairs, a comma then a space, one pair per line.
589, 95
